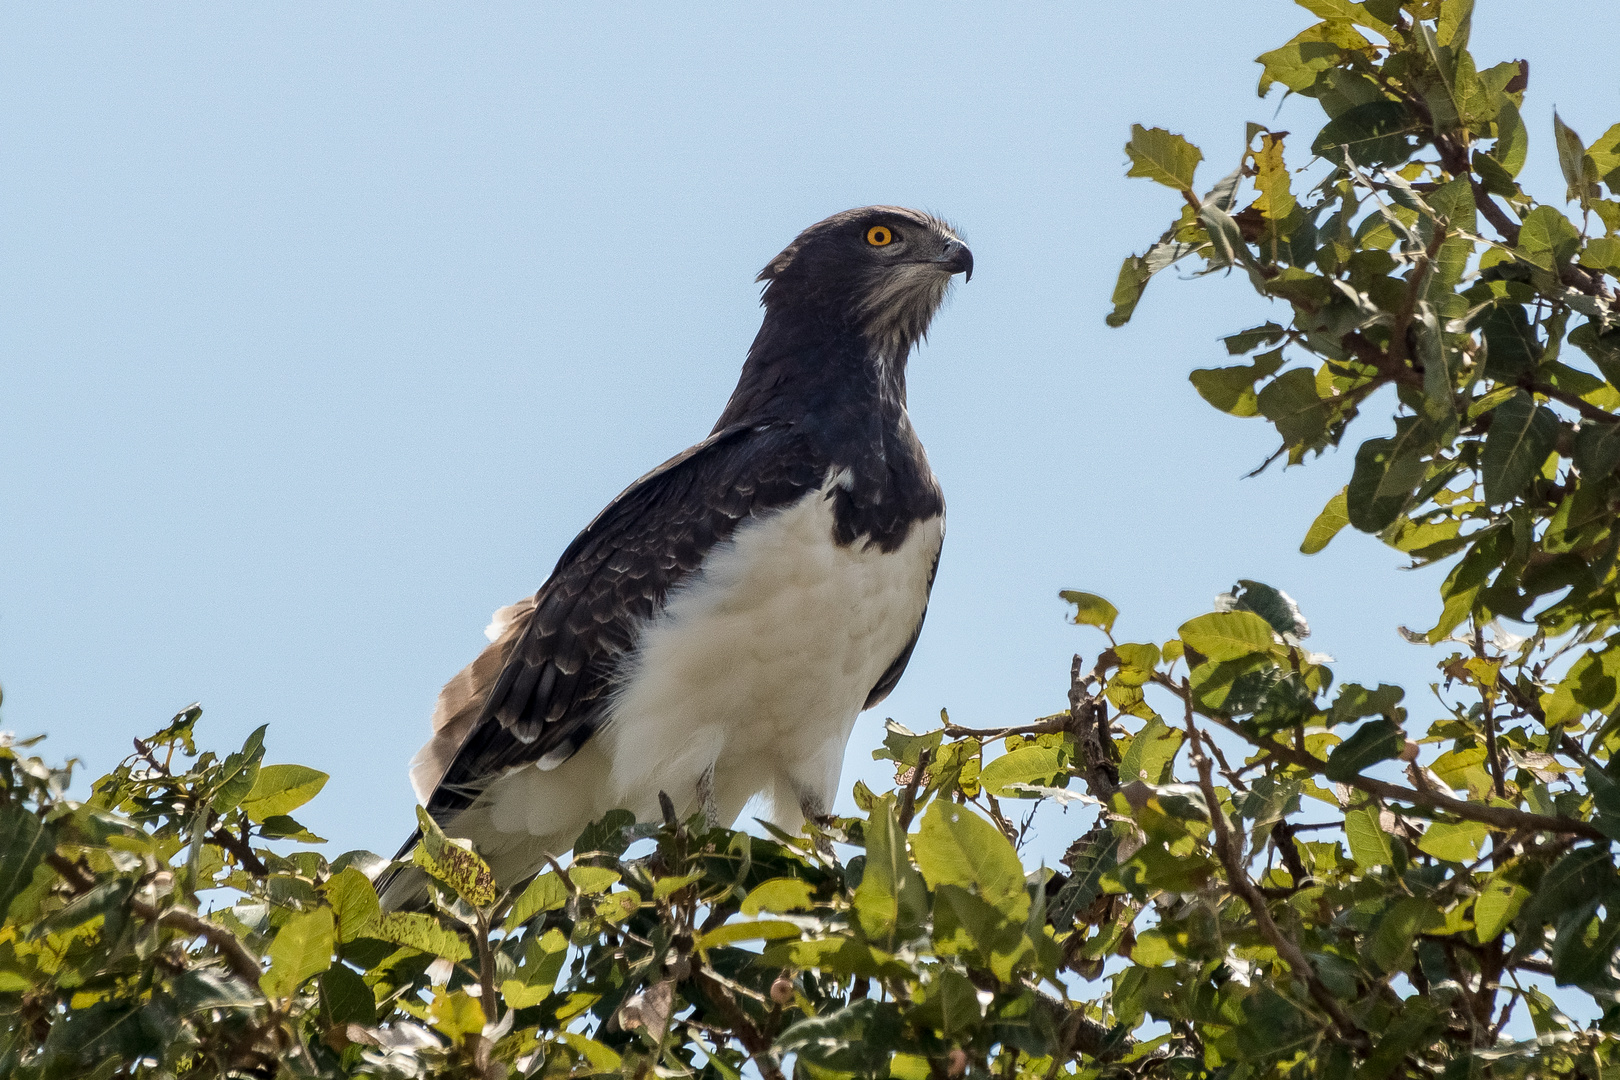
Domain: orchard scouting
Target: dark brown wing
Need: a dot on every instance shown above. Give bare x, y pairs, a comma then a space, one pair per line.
555, 672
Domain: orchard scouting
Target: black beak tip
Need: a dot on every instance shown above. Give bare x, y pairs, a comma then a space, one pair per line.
959, 259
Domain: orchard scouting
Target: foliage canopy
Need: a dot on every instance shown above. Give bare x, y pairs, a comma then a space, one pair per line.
1279, 877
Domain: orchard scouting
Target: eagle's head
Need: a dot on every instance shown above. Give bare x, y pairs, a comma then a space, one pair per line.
886, 268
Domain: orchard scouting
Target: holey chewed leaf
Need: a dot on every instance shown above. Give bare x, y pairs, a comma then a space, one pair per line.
452, 864
1091, 610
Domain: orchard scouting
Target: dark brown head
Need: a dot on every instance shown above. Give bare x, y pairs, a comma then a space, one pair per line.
885, 268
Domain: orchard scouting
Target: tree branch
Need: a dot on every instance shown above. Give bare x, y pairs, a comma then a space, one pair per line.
236, 955
1238, 878
1500, 817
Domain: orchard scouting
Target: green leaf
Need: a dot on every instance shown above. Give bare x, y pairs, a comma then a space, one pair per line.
354, 903
1291, 403
303, 947
669, 886
1355, 702
1350, 12
600, 1058
452, 864
890, 902
420, 932
955, 846
1249, 340
1137, 270
545, 893
1522, 434
1547, 239
1316, 49
1386, 474
281, 789
1498, 902
778, 895
1369, 844
345, 997
1573, 162
1457, 842
24, 840
1231, 389
1374, 741
1031, 764
950, 1005
1376, 133
1390, 945
1162, 156
1597, 449
1228, 635
593, 880
1271, 604
1334, 516
756, 930
1511, 346
1091, 610
1151, 753
238, 773
1276, 199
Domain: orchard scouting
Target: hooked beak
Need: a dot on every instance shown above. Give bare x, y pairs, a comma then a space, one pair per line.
957, 259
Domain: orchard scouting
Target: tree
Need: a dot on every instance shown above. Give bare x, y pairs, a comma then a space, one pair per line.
1457, 845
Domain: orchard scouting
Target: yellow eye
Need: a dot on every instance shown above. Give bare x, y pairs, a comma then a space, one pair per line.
878, 236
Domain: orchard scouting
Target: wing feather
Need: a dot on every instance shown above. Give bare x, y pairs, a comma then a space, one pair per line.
542, 687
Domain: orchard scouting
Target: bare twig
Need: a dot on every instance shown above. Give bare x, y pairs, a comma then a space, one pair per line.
908, 800
741, 1026
1238, 878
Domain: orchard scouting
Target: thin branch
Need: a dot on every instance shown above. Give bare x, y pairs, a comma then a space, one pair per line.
741, 1026
1501, 817
1238, 878
908, 801
236, 955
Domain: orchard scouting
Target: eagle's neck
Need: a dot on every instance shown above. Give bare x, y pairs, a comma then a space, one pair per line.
818, 369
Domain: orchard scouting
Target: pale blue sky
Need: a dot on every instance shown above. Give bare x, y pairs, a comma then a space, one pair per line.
325, 327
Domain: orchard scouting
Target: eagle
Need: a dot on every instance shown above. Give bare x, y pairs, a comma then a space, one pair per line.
715, 631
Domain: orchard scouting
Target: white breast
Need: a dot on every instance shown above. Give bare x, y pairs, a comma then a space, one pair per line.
761, 662
753, 673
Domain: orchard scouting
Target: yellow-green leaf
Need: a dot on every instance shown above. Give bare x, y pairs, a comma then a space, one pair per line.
1454, 842
1163, 156
354, 903
545, 893
669, 886
777, 895
1369, 844
955, 846
303, 947
1091, 609
1499, 901
421, 932
447, 861
592, 880
456, 1013
1227, 635
1334, 516
281, 789
759, 930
